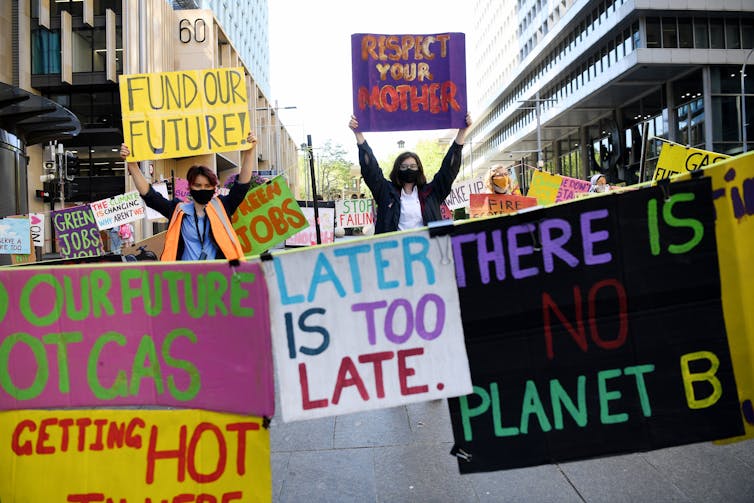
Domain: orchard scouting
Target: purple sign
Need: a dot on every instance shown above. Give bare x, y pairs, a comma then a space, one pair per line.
76, 232
192, 335
409, 82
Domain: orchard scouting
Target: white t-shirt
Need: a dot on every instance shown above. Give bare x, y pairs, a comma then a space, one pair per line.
411, 213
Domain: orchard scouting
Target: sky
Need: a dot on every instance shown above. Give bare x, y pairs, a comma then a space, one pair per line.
310, 61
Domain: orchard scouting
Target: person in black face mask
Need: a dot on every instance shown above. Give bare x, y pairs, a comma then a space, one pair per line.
200, 229
407, 200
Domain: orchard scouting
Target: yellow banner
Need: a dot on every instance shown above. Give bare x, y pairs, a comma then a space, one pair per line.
187, 113
678, 159
544, 187
733, 192
132, 455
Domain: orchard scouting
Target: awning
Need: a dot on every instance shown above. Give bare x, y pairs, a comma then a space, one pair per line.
35, 119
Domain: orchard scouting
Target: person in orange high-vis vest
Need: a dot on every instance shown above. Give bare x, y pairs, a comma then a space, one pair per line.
200, 229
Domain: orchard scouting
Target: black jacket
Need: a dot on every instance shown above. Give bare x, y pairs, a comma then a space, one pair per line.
387, 196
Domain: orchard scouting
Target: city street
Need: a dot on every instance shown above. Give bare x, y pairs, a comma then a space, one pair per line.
402, 454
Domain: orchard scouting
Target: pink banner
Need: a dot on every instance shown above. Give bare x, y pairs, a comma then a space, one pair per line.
181, 335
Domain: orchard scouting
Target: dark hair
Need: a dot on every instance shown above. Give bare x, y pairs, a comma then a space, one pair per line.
197, 170
420, 178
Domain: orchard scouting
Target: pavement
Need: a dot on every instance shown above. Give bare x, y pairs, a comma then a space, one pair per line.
401, 454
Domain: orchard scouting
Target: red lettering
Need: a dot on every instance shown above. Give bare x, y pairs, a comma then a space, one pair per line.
235, 495
622, 314
222, 457
179, 454
85, 498
306, 403
24, 449
347, 367
404, 372
376, 360
241, 429
44, 436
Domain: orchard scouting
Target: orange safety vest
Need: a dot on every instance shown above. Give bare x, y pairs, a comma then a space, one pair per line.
222, 230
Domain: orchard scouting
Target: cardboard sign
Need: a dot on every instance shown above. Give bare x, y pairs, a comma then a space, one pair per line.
733, 193
485, 205
409, 82
15, 236
181, 190
460, 193
678, 159
593, 328
118, 210
364, 326
186, 113
308, 236
549, 188
174, 334
37, 221
267, 216
351, 213
134, 455
76, 232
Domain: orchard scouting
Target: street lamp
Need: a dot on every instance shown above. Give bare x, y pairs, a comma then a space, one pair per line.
401, 144
743, 101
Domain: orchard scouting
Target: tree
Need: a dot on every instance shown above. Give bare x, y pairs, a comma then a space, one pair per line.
332, 169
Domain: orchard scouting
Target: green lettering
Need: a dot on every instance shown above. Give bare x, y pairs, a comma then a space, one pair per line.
100, 282
559, 398
43, 370
146, 365
217, 286
127, 292
70, 303
238, 293
654, 231
637, 371
120, 384
497, 420
195, 383
467, 413
4, 304
695, 225
532, 404
173, 277
61, 341
26, 304
195, 301
606, 396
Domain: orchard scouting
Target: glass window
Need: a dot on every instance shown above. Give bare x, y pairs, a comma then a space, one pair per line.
747, 34
669, 33
701, 34
716, 34
732, 34
685, 33
653, 32
76, 8
725, 79
727, 125
100, 6
82, 50
45, 52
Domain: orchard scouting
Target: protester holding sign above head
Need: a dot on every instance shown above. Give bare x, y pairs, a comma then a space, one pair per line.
206, 233
407, 200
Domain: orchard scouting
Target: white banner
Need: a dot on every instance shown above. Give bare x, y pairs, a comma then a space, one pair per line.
351, 213
37, 221
364, 326
459, 194
308, 236
118, 210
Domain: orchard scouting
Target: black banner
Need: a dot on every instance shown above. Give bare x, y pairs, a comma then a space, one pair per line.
593, 328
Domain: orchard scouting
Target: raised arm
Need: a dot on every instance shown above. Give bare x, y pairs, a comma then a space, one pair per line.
247, 159
354, 125
142, 184
461, 136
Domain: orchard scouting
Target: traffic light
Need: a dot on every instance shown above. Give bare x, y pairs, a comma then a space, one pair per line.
49, 172
71, 164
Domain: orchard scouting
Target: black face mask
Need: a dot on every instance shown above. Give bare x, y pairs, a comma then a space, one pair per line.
202, 196
408, 176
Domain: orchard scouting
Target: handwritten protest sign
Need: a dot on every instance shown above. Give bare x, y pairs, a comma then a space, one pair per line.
134, 455
308, 236
460, 193
549, 188
76, 232
678, 159
570, 188
354, 213
118, 210
733, 193
180, 335
37, 221
485, 205
267, 216
161, 188
365, 326
409, 82
186, 113
610, 337
181, 189
15, 236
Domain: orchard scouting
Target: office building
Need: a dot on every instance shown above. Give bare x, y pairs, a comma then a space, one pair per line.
59, 66
580, 86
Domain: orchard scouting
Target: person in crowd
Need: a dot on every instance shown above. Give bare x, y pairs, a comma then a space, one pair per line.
499, 180
407, 200
200, 229
599, 183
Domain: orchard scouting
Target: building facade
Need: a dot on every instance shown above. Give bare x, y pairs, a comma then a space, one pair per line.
67, 55
585, 86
